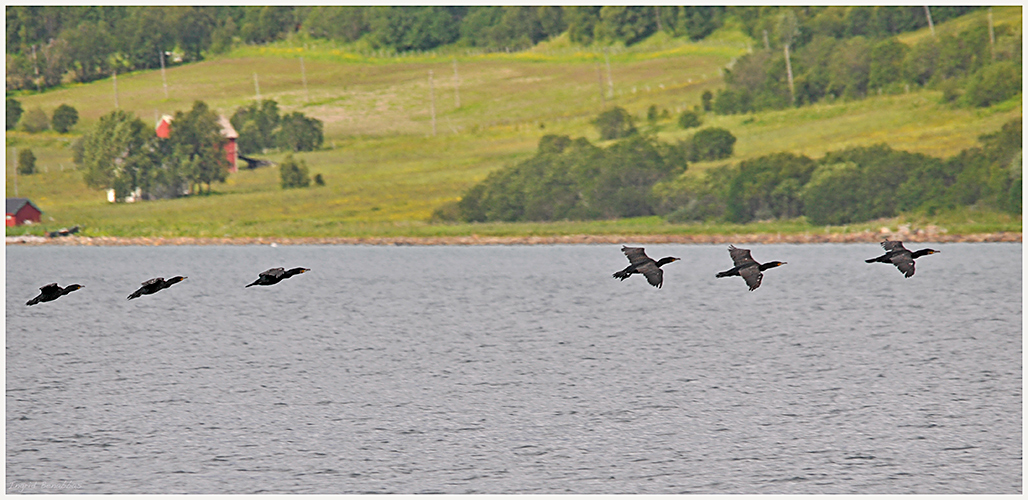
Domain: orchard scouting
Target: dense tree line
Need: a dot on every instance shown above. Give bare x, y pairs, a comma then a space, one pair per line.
124, 154
852, 185
49, 44
850, 53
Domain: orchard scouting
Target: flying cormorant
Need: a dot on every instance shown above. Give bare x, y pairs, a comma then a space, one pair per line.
639, 263
900, 257
272, 276
52, 292
745, 266
155, 285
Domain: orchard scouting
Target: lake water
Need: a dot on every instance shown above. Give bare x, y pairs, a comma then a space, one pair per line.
514, 369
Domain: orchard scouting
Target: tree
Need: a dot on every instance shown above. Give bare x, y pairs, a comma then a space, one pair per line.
197, 146
294, 173
711, 144
994, 83
707, 99
256, 124
35, 121
119, 153
26, 162
300, 133
689, 119
614, 124
14, 111
64, 118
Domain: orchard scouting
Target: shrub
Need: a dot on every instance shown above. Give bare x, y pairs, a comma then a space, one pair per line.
711, 144
689, 119
13, 113
294, 173
319, 180
64, 118
614, 124
35, 121
993, 83
708, 101
26, 162
300, 133
831, 196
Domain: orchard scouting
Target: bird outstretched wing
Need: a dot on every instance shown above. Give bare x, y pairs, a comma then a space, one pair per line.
152, 281
740, 256
752, 275
49, 288
636, 255
274, 273
904, 262
890, 246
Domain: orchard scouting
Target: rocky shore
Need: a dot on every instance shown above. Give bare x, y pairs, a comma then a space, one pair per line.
855, 237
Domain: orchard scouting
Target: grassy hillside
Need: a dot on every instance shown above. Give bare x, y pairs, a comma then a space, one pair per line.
385, 171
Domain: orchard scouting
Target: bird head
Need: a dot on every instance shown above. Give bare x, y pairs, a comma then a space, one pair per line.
72, 288
176, 279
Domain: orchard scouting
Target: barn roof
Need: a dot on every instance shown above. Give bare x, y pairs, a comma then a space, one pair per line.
227, 131
15, 204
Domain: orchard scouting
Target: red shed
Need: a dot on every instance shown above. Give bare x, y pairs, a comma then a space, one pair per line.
22, 211
227, 131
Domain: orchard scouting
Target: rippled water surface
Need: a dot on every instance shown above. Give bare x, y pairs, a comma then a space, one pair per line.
514, 369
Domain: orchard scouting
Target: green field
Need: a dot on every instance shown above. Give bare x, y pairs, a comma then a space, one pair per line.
385, 170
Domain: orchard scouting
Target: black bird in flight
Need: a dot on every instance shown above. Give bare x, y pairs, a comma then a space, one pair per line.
52, 292
745, 266
155, 285
897, 255
639, 263
272, 276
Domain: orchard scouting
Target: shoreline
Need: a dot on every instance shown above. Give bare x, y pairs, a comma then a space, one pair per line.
698, 239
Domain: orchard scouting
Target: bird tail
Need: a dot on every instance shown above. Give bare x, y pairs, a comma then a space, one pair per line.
252, 284
722, 274
33, 301
135, 295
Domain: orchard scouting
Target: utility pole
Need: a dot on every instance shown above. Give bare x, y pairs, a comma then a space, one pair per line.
431, 94
456, 83
164, 78
303, 73
928, 14
992, 36
35, 64
256, 86
115, 89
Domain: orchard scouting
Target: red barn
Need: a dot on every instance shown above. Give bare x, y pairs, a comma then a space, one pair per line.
22, 211
227, 131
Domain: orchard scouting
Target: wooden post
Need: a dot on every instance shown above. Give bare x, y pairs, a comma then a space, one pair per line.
767, 45
163, 77
256, 86
456, 83
992, 36
431, 94
35, 64
115, 90
928, 14
788, 72
599, 76
303, 73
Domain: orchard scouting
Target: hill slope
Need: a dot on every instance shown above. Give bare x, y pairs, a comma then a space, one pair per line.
385, 170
